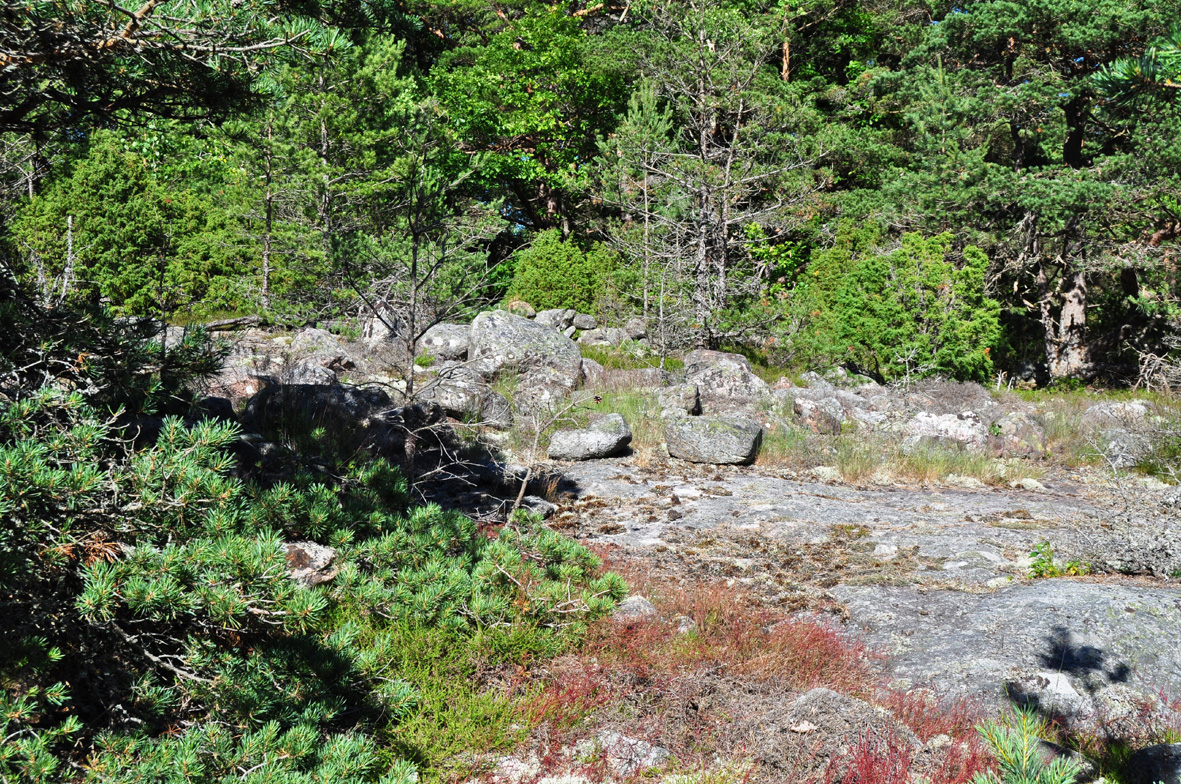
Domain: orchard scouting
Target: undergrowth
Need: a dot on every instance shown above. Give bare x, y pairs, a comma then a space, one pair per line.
860, 458
629, 356
715, 647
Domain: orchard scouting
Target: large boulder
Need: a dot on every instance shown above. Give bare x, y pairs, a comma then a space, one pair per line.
592, 372
725, 380
495, 411
606, 436
603, 336
1158, 764
500, 342
678, 400
1124, 447
1018, 434
445, 341
281, 405
314, 356
212, 408
351, 418
541, 390
721, 441
308, 372
961, 430
822, 416
312, 342
386, 328
1119, 412
458, 389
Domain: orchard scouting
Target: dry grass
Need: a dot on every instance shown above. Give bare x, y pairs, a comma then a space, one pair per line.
863, 458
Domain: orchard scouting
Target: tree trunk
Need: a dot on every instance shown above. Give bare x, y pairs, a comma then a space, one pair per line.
1076, 122
269, 202
1065, 337
1072, 327
324, 208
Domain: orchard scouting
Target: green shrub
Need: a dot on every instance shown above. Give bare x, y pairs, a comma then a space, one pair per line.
161, 574
1015, 742
915, 311
1042, 563
552, 273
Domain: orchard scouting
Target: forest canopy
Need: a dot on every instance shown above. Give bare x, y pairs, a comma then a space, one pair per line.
225, 158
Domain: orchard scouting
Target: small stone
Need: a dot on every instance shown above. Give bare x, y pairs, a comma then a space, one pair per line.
521, 308
309, 563
556, 318
635, 608
1027, 484
538, 505
636, 329
585, 321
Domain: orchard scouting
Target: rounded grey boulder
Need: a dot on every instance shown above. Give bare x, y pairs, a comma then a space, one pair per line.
499, 341
445, 341
585, 321
457, 388
678, 400
721, 441
604, 437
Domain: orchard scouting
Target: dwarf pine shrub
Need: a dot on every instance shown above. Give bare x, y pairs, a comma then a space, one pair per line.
152, 634
1015, 741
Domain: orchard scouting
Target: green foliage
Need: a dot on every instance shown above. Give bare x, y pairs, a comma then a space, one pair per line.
71, 63
1015, 742
159, 563
115, 229
557, 273
1157, 70
1042, 564
915, 311
534, 94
